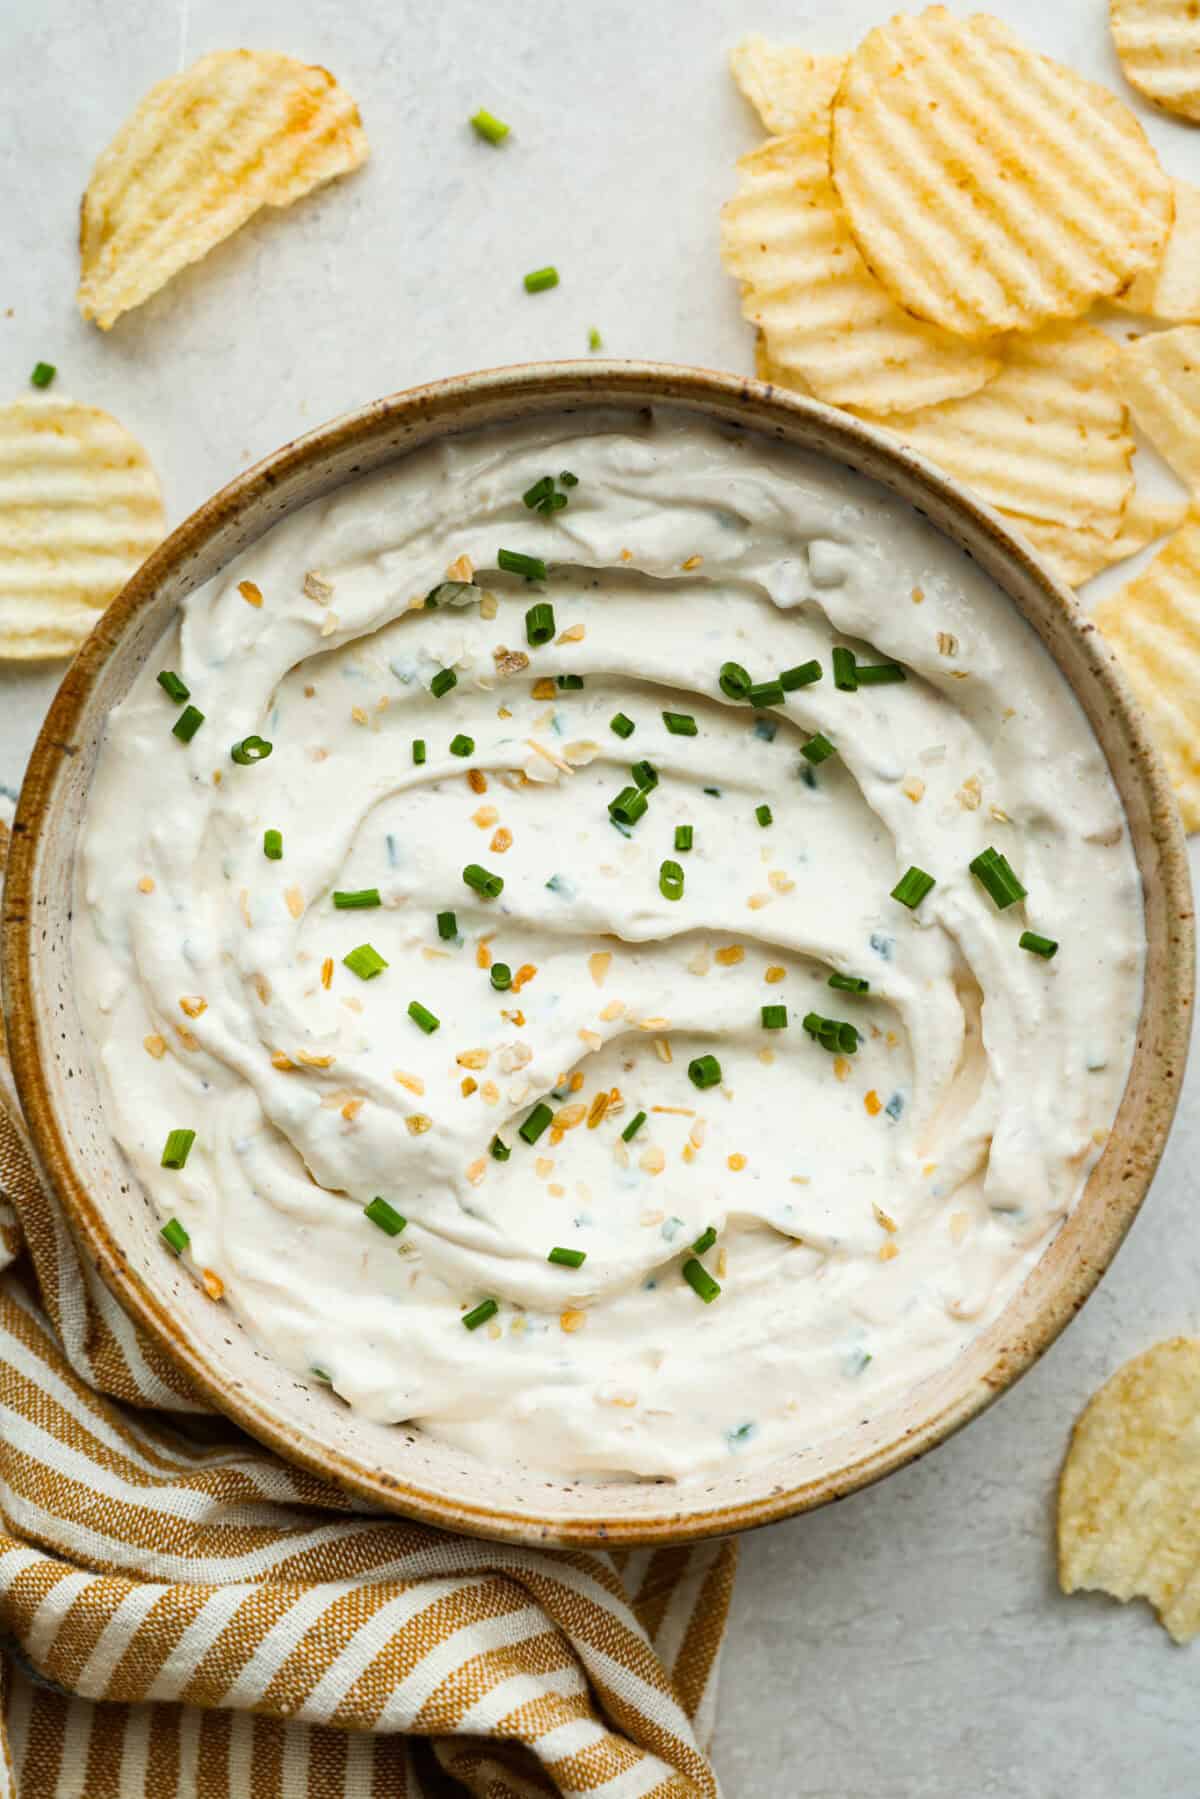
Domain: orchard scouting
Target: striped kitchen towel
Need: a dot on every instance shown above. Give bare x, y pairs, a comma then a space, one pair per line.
181, 1613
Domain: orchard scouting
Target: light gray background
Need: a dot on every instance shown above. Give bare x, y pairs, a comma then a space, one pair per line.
910, 1641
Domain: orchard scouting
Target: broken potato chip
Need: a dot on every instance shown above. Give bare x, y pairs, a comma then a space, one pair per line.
1158, 43
989, 188
80, 509
1171, 290
790, 89
1076, 553
825, 317
239, 130
1159, 376
1129, 1493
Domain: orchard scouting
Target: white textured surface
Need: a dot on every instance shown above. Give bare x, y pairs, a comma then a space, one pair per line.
909, 1643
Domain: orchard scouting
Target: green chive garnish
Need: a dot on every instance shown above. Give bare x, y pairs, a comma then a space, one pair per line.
817, 749
499, 1150
683, 837
623, 726
878, 674
539, 624
1038, 946
486, 1309
569, 683
174, 1236
421, 1015
442, 682
912, 887
774, 1018
849, 983
173, 687
273, 846
844, 676
764, 815
536, 1123
360, 901
646, 776
704, 1071
628, 806
633, 1127
176, 1148
321, 1374
595, 341
461, 745
187, 724
733, 681
670, 881
568, 1258
365, 961
832, 1034
766, 693
501, 976
386, 1217
567, 479
250, 749
494, 130
43, 374
700, 1280
680, 724
541, 490
992, 870
448, 592
800, 676
532, 567
447, 924
538, 280
418, 750
487, 885
705, 1241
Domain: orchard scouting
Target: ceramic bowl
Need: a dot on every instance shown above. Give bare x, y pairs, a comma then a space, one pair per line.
399, 1467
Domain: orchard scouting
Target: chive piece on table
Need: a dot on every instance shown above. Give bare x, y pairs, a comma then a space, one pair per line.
486, 1309
365, 961
680, 724
683, 837
633, 1127
849, 983
442, 682
817, 749
628, 806
704, 1241
462, 745
844, 675
250, 750
538, 280
359, 901
447, 924
532, 567
1045, 947
623, 726
912, 887
273, 846
878, 674
670, 881
646, 776
700, 1280
174, 1236
488, 885
489, 127
499, 1150
501, 976
704, 1071
421, 1015
536, 1123
568, 1258
734, 681
774, 1018
386, 1217
43, 374
187, 724
800, 676
993, 871
173, 687
418, 751
539, 623
765, 693
176, 1148
764, 815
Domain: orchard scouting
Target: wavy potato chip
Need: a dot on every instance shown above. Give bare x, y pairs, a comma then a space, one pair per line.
989, 188
1129, 1493
1047, 438
80, 509
1171, 290
239, 130
790, 89
1153, 624
1076, 553
825, 317
1159, 376
1158, 43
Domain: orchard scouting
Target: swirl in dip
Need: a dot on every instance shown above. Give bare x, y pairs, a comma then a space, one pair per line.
865, 1200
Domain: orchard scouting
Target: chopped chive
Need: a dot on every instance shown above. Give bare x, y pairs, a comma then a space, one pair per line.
536, 1123
532, 567
418, 750
541, 490
992, 870
567, 479
360, 901
683, 837
628, 806
501, 977
486, 1309
849, 983
251, 749
833, 1034
595, 341
321, 1374
700, 1280
646, 776
174, 1236
499, 1150
774, 1018
386, 1217
1037, 945
538, 280
421, 1015
447, 592
817, 749
43, 374
173, 687
844, 676
442, 682
764, 815
705, 1241
569, 683
633, 1127
715, 791
623, 726
704, 1071
734, 681
670, 881
461, 745
878, 674
273, 846
680, 724
494, 130
912, 887
365, 961
187, 724
539, 623
568, 1258
800, 676
447, 924
765, 693
176, 1148
488, 885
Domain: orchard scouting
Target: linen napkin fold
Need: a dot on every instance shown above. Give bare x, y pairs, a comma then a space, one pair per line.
185, 1616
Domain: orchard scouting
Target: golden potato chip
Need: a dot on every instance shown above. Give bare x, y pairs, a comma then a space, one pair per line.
204, 150
990, 189
825, 316
1159, 375
1129, 1493
1076, 553
1158, 42
790, 89
80, 509
1047, 438
1171, 290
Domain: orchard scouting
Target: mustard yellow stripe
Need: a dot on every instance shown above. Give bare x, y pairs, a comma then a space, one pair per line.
26, 1592
322, 1643
465, 1686
44, 1740
353, 1554
532, 1720
596, 1765
667, 1567
106, 1749
82, 1627
258, 1614
153, 1641
706, 1627
212, 1757
327, 1764
268, 1759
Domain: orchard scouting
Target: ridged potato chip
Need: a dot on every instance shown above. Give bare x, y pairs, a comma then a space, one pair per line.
1171, 290
1047, 438
1076, 553
204, 150
80, 509
1153, 624
1158, 43
790, 89
1129, 1493
825, 316
990, 189
1159, 376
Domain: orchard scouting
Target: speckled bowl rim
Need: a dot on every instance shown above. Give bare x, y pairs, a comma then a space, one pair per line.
449, 405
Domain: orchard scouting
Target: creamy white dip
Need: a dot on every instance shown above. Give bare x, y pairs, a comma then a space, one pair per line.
872, 1211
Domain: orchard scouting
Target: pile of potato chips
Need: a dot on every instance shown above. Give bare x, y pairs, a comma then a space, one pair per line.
920, 240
